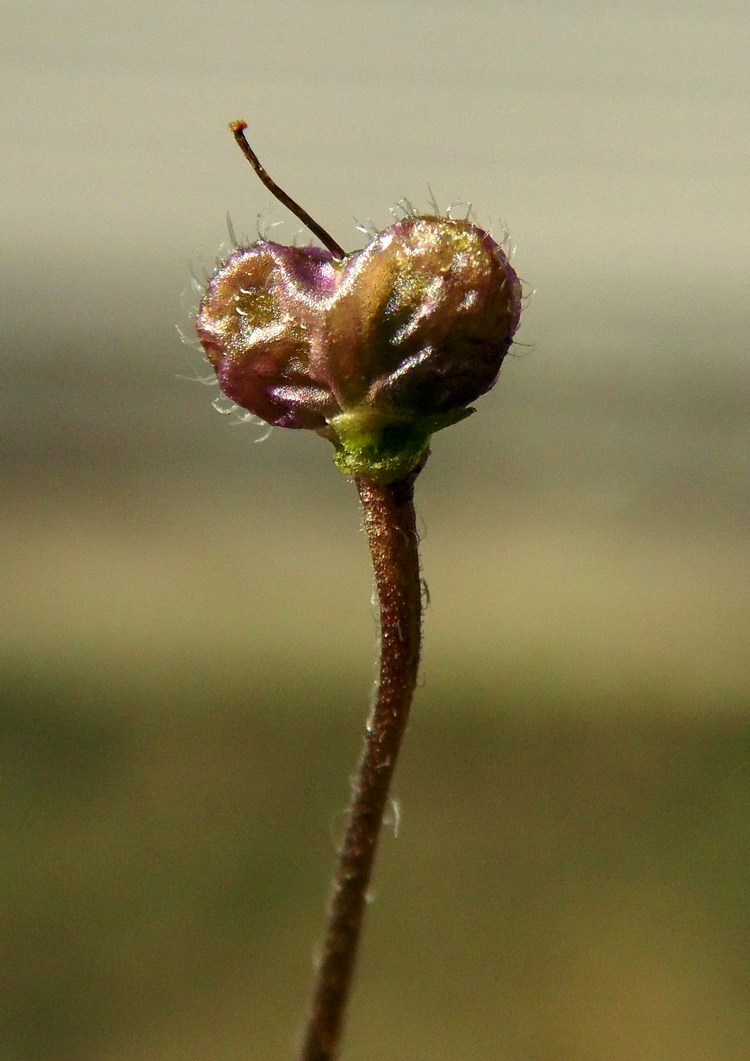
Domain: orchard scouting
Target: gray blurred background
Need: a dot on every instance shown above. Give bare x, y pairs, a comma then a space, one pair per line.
187, 630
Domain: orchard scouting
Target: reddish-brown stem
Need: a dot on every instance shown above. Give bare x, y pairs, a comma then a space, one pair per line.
390, 524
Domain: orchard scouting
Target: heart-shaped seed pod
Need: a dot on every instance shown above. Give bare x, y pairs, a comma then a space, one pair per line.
375, 350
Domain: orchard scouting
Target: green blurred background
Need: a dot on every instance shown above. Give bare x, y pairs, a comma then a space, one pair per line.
187, 636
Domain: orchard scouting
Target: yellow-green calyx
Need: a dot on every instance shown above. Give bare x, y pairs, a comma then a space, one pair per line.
385, 452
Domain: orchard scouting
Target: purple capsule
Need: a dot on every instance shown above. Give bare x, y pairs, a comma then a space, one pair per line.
393, 340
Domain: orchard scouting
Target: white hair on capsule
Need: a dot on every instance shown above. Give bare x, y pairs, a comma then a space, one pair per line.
403, 209
232, 233
460, 204
226, 407
189, 300
370, 229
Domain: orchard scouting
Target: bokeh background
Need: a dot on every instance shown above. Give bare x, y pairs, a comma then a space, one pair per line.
187, 634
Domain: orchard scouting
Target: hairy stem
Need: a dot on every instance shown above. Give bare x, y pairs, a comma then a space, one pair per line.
390, 524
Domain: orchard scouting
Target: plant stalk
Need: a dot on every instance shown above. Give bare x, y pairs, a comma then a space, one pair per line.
390, 524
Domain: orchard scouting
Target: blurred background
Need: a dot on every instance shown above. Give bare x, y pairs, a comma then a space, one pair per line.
187, 634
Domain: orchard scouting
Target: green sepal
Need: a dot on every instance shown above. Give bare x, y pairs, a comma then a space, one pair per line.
386, 451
